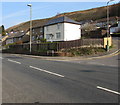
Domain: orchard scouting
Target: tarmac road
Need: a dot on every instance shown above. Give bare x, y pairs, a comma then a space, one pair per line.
30, 80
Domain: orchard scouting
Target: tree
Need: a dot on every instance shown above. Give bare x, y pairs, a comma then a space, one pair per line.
87, 28
3, 30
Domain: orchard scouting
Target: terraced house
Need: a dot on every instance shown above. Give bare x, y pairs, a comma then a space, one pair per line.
14, 37
37, 33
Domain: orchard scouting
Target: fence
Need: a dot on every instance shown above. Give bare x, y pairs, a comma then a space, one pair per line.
81, 43
56, 46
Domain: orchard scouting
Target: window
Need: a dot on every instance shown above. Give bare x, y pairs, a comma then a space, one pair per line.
47, 36
58, 35
33, 30
33, 37
58, 26
19, 38
41, 36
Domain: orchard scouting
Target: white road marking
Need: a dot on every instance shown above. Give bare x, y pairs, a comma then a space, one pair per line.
102, 88
14, 61
1, 58
46, 71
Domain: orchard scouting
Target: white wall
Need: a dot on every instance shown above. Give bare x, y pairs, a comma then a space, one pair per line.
71, 31
68, 32
52, 29
115, 29
119, 24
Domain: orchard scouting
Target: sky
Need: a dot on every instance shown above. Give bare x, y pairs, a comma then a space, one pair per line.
13, 13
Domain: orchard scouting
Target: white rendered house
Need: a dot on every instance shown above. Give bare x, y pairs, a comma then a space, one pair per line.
115, 29
62, 29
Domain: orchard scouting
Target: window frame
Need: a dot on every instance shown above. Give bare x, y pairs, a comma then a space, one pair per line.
58, 35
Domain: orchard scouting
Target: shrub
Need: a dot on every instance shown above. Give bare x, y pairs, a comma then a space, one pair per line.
83, 51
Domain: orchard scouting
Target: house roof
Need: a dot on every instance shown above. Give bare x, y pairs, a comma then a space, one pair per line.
4, 38
62, 19
114, 25
16, 35
26, 38
37, 27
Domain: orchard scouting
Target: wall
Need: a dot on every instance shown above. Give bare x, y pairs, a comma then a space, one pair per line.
71, 31
9, 41
38, 31
68, 32
52, 29
115, 29
119, 24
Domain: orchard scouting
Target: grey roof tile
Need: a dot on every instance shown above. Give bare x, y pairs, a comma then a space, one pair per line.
15, 35
61, 20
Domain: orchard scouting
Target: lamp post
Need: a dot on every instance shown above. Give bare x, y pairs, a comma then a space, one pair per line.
108, 24
30, 5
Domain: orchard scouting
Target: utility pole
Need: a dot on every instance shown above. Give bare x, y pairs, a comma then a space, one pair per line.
108, 25
30, 5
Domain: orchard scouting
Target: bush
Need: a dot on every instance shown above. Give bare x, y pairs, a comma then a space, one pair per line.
84, 51
7, 46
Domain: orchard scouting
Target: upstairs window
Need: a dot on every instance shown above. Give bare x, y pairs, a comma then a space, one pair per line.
47, 28
58, 26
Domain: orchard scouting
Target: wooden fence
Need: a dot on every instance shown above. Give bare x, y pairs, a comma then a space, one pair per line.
57, 46
80, 43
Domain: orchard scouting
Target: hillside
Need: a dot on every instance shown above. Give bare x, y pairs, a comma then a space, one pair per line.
91, 14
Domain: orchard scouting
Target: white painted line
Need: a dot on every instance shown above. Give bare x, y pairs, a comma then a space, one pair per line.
46, 71
14, 61
102, 88
1, 58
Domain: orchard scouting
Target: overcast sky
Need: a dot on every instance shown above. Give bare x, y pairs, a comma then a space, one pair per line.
14, 13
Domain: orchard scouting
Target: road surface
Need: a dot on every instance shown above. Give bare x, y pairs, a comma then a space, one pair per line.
31, 80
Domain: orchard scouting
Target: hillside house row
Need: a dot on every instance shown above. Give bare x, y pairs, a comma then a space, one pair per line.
103, 22
57, 29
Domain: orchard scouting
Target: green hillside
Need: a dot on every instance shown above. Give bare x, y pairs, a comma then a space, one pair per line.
91, 14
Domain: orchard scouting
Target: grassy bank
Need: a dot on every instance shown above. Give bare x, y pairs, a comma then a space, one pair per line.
83, 51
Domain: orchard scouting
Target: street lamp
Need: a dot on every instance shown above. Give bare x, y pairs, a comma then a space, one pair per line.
30, 5
108, 24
